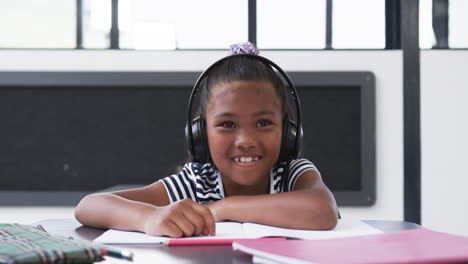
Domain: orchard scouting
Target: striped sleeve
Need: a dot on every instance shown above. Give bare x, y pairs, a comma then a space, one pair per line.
208, 185
182, 185
296, 168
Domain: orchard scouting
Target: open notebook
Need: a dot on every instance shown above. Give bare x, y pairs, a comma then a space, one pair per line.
345, 228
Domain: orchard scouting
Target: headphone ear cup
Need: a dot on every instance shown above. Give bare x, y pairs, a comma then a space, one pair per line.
188, 141
198, 144
298, 144
289, 148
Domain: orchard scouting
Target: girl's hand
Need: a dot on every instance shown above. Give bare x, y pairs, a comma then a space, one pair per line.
183, 218
215, 208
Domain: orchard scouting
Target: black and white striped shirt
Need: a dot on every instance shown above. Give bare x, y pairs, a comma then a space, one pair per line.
203, 183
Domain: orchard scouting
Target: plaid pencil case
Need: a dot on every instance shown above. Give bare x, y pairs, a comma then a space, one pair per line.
26, 244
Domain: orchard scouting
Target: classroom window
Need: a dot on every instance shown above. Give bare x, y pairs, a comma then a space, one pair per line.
216, 24
46, 24
294, 24
426, 31
182, 24
96, 24
458, 21
442, 24
358, 24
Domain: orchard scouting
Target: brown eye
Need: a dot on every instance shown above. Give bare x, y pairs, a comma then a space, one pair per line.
263, 123
228, 124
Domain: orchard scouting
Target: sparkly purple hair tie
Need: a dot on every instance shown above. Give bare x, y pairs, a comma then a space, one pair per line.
243, 48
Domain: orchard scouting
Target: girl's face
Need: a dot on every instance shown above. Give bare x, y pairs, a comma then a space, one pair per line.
244, 126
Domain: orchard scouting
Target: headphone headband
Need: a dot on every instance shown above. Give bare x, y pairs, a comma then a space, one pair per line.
293, 92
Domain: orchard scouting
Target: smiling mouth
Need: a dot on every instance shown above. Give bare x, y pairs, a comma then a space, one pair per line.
246, 161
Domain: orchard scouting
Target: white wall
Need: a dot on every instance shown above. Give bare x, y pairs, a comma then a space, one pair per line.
444, 140
386, 65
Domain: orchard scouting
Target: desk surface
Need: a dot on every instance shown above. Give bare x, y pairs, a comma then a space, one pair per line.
182, 254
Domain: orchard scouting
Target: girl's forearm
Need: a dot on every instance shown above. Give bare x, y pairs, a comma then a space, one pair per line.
312, 210
105, 210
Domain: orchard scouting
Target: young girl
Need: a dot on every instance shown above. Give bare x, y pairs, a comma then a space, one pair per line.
243, 105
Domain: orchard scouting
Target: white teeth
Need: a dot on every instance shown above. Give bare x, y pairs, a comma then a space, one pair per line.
245, 159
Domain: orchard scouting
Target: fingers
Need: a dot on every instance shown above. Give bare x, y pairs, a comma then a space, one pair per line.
207, 216
196, 220
176, 225
185, 226
189, 218
171, 229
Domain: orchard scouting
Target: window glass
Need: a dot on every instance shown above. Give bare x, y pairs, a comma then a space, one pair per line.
213, 24
293, 24
426, 32
182, 24
358, 24
47, 24
97, 20
458, 24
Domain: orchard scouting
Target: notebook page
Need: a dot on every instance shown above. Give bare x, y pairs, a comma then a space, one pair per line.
112, 236
344, 228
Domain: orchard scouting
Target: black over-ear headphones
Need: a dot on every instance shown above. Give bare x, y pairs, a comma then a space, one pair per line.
195, 130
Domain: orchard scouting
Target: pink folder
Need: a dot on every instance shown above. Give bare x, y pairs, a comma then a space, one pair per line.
410, 246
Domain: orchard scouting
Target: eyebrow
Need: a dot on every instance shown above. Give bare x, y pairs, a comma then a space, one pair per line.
259, 113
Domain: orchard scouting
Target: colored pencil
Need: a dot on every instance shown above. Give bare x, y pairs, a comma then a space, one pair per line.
115, 253
214, 241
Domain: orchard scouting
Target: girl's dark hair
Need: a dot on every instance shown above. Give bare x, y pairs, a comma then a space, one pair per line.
241, 68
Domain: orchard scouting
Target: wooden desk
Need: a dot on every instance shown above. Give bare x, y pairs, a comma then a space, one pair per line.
157, 253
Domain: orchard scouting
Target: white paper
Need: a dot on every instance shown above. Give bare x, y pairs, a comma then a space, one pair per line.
345, 228
112, 236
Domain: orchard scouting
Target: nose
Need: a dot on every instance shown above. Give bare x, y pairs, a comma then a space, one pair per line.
245, 139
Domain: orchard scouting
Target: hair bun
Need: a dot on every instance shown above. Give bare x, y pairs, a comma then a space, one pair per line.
243, 48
